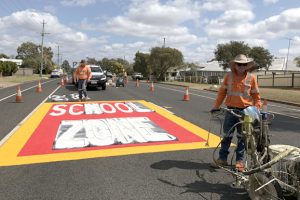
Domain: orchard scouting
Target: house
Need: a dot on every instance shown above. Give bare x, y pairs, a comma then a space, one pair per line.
17, 61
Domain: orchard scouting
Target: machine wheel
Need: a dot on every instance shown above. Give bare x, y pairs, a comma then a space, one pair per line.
268, 192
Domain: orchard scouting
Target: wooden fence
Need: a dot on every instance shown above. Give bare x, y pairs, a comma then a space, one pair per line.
291, 80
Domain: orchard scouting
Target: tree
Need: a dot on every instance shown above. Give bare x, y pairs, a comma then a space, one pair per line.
141, 64
161, 59
2, 55
262, 57
91, 61
31, 56
66, 66
226, 52
297, 59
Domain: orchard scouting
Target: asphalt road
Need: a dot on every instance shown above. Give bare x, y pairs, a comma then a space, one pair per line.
165, 175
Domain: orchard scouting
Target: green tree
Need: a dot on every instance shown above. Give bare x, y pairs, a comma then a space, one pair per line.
8, 68
297, 59
66, 66
91, 61
141, 64
161, 59
31, 56
2, 55
226, 52
262, 57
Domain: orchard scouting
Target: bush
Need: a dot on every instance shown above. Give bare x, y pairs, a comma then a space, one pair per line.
8, 68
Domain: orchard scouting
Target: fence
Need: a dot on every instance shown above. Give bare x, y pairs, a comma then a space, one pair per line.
24, 71
291, 80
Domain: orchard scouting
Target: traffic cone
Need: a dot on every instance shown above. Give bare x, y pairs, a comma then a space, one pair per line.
137, 83
62, 83
39, 87
19, 95
152, 87
186, 96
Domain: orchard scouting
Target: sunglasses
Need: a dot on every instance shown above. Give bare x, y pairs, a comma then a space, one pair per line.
242, 64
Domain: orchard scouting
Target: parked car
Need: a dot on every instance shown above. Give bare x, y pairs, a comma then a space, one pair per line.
98, 77
56, 73
137, 75
120, 81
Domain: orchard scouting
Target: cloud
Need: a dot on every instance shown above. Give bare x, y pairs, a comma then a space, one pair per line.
268, 2
77, 2
217, 5
29, 22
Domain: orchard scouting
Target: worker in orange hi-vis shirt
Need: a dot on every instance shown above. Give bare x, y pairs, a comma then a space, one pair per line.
82, 76
240, 90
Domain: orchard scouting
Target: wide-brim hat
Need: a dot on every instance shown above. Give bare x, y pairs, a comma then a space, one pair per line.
82, 62
241, 58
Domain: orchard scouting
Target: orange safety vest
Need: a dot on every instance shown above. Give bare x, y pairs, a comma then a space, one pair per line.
239, 93
83, 72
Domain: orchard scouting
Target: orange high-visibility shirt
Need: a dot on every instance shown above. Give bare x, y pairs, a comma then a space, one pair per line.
240, 92
83, 72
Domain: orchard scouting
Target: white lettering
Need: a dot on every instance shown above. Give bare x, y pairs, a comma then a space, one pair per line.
60, 110
74, 111
112, 109
104, 132
128, 109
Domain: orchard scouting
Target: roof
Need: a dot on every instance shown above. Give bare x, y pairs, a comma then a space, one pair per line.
279, 64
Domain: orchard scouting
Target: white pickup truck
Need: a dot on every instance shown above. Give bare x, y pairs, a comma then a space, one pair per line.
137, 75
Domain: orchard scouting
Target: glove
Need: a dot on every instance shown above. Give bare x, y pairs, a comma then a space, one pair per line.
213, 110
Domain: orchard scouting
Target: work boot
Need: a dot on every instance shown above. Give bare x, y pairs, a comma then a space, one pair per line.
85, 98
79, 100
239, 166
219, 163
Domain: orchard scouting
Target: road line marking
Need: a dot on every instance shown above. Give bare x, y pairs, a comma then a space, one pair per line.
22, 91
22, 122
285, 115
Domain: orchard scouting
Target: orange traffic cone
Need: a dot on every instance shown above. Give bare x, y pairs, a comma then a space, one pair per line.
186, 96
19, 95
152, 87
39, 87
137, 83
62, 83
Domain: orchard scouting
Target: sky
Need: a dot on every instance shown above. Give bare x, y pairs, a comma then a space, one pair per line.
77, 29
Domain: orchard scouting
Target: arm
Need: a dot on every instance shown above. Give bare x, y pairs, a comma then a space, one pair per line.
255, 93
222, 92
89, 73
76, 75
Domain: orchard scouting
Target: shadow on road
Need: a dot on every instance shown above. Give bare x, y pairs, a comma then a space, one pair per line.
202, 187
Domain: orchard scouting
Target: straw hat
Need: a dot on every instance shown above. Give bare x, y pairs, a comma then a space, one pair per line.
241, 58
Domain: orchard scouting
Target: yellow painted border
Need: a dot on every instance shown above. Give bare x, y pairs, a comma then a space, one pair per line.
10, 149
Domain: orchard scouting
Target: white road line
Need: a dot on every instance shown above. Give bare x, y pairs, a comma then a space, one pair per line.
23, 91
298, 110
285, 115
22, 122
189, 92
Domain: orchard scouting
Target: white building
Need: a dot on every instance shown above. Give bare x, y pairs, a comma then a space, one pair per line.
17, 61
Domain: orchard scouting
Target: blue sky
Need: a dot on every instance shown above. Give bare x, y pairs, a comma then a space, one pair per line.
120, 28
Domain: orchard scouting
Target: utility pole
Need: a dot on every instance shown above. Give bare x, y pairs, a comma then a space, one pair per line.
58, 56
42, 50
287, 56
